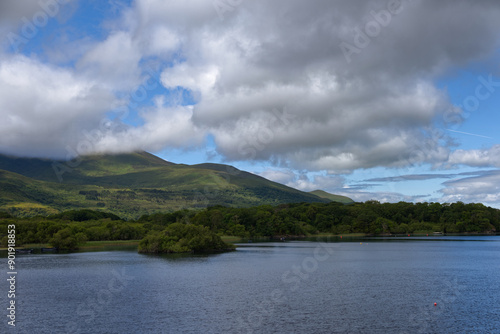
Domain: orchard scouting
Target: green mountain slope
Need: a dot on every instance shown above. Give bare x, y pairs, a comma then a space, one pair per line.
20, 194
131, 185
332, 197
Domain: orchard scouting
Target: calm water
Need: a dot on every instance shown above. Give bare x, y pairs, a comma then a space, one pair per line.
292, 287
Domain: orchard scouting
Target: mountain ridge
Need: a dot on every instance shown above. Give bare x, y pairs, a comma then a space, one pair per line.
332, 197
132, 184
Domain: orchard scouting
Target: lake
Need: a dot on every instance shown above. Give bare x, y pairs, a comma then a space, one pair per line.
357, 286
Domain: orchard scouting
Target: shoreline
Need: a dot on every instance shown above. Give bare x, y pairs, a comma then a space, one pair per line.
91, 246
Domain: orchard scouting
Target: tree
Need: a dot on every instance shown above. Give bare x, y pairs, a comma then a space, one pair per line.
183, 238
65, 239
403, 228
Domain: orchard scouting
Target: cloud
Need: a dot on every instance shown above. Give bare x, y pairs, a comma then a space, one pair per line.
414, 177
376, 110
163, 126
114, 62
53, 112
482, 188
43, 108
334, 184
381, 196
327, 183
14, 11
199, 80
22, 21
477, 158
280, 176
270, 80
305, 181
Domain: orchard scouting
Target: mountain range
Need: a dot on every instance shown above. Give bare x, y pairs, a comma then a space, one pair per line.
134, 184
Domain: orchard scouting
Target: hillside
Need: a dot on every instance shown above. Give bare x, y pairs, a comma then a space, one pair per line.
332, 197
131, 185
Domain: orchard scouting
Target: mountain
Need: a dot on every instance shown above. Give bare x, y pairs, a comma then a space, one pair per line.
332, 197
131, 185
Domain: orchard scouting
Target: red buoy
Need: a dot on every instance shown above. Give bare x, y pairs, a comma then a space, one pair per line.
435, 304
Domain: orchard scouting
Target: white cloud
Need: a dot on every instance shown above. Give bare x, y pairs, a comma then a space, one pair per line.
43, 108
380, 196
163, 127
482, 188
334, 184
200, 80
280, 176
114, 62
162, 41
271, 82
371, 112
305, 181
477, 158
331, 183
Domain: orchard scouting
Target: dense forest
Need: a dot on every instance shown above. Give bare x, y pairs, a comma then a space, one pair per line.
370, 218
70, 229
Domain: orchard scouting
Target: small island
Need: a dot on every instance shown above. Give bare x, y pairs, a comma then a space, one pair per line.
183, 238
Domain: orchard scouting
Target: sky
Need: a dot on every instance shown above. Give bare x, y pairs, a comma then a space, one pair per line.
387, 100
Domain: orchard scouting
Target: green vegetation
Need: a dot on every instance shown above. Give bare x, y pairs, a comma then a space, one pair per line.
67, 239
332, 197
182, 238
70, 230
372, 217
200, 230
132, 185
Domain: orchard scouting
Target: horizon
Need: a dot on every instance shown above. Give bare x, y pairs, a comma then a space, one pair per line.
374, 100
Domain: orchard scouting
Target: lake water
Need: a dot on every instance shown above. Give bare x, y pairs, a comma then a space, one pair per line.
362, 286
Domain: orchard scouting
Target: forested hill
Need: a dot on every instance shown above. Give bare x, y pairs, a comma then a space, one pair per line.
131, 185
332, 197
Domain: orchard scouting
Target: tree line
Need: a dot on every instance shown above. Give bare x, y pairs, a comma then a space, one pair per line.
69, 229
370, 217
